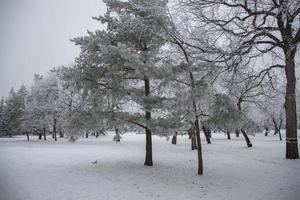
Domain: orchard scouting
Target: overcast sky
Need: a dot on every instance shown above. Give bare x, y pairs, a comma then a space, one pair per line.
35, 36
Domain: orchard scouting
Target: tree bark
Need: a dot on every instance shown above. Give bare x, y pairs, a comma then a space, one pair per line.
200, 162
249, 144
61, 135
206, 134
174, 138
54, 129
237, 132
117, 136
192, 134
27, 134
44, 132
266, 131
209, 132
148, 158
40, 134
228, 135
86, 134
289, 50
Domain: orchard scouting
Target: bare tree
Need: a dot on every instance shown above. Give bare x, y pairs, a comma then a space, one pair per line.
246, 30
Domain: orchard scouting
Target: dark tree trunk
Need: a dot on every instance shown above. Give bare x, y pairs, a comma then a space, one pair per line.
280, 138
148, 158
61, 135
290, 50
192, 135
239, 104
237, 132
228, 135
206, 134
117, 136
44, 132
86, 134
200, 162
27, 134
174, 138
279, 127
290, 112
189, 133
209, 132
266, 131
40, 134
54, 129
249, 144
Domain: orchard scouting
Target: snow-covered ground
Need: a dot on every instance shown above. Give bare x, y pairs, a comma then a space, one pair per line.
48, 170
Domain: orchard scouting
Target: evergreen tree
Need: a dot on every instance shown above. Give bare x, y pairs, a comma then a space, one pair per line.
123, 60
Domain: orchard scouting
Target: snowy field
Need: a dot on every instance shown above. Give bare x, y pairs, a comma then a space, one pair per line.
48, 170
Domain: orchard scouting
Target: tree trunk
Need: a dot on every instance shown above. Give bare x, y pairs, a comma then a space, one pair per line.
249, 144
54, 130
266, 131
174, 138
27, 134
40, 134
206, 134
61, 135
192, 135
117, 137
44, 131
228, 135
275, 125
290, 104
237, 132
209, 132
200, 162
86, 134
148, 158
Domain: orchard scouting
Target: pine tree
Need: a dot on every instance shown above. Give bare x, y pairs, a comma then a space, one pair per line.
123, 61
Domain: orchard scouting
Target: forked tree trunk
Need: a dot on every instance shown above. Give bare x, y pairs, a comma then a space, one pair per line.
174, 138
206, 134
148, 158
249, 144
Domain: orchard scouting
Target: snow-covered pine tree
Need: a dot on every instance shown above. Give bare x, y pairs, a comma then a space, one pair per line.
123, 59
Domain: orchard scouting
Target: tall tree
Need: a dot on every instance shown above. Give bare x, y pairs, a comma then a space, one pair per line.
123, 59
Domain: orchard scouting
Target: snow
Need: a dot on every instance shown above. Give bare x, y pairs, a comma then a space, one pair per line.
48, 170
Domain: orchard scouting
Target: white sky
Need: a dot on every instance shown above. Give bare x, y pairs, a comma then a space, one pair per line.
35, 36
